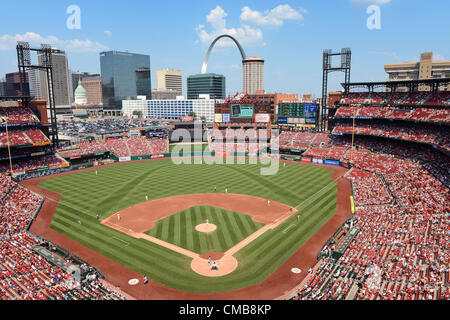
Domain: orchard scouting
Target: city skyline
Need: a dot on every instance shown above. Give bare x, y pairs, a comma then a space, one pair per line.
289, 35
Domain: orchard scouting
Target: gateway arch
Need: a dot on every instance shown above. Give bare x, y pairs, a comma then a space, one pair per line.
205, 62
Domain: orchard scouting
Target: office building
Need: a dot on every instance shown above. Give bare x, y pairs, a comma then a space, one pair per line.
169, 109
206, 83
164, 94
143, 84
61, 81
170, 80
426, 68
35, 83
93, 86
13, 85
122, 76
2, 87
253, 75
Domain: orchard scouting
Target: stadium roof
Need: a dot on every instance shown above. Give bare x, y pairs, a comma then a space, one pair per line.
411, 84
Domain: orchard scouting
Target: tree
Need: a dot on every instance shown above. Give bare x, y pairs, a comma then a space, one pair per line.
137, 113
192, 114
203, 118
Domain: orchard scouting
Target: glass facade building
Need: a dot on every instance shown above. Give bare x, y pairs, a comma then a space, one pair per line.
206, 83
124, 76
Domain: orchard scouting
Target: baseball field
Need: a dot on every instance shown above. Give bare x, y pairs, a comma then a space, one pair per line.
88, 199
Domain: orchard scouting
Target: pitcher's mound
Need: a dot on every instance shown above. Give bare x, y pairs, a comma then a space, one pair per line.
205, 227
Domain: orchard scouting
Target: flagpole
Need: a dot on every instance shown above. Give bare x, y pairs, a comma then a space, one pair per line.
9, 150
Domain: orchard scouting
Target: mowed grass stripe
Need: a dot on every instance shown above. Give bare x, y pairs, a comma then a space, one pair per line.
293, 184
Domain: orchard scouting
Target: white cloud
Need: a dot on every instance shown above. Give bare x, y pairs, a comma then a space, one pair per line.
369, 2
108, 33
246, 35
8, 42
272, 18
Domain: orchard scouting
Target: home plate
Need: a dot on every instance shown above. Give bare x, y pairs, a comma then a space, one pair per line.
132, 282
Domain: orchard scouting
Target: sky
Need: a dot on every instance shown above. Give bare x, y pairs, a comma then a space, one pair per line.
289, 35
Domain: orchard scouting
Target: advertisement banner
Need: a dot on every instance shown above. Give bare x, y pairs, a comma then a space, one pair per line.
122, 159
306, 159
306, 125
218, 117
187, 118
290, 120
332, 162
282, 120
319, 161
226, 117
155, 156
262, 117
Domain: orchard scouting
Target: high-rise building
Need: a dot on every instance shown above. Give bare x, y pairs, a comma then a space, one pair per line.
170, 80
143, 84
61, 81
2, 87
35, 83
121, 77
253, 74
426, 68
206, 83
164, 94
93, 86
13, 86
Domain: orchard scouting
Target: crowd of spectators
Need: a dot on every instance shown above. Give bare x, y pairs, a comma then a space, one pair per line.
18, 115
22, 137
120, 147
34, 163
417, 114
82, 128
433, 135
24, 274
401, 250
411, 98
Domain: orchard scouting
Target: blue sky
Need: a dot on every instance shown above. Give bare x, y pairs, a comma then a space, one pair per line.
290, 35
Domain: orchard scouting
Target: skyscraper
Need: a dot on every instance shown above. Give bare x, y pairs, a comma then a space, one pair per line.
61, 80
122, 74
13, 87
143, 85
2, 87
206, 83
253, 77
35, 83
93, 85
170, 80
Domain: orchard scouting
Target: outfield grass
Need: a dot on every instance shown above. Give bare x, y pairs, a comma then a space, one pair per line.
84, 195
178, 229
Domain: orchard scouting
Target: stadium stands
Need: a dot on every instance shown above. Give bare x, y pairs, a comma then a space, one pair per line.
24, 274
121, 147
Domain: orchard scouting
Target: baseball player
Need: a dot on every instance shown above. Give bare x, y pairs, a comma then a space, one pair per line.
206, 222
146, 197
268, 203
118, 217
